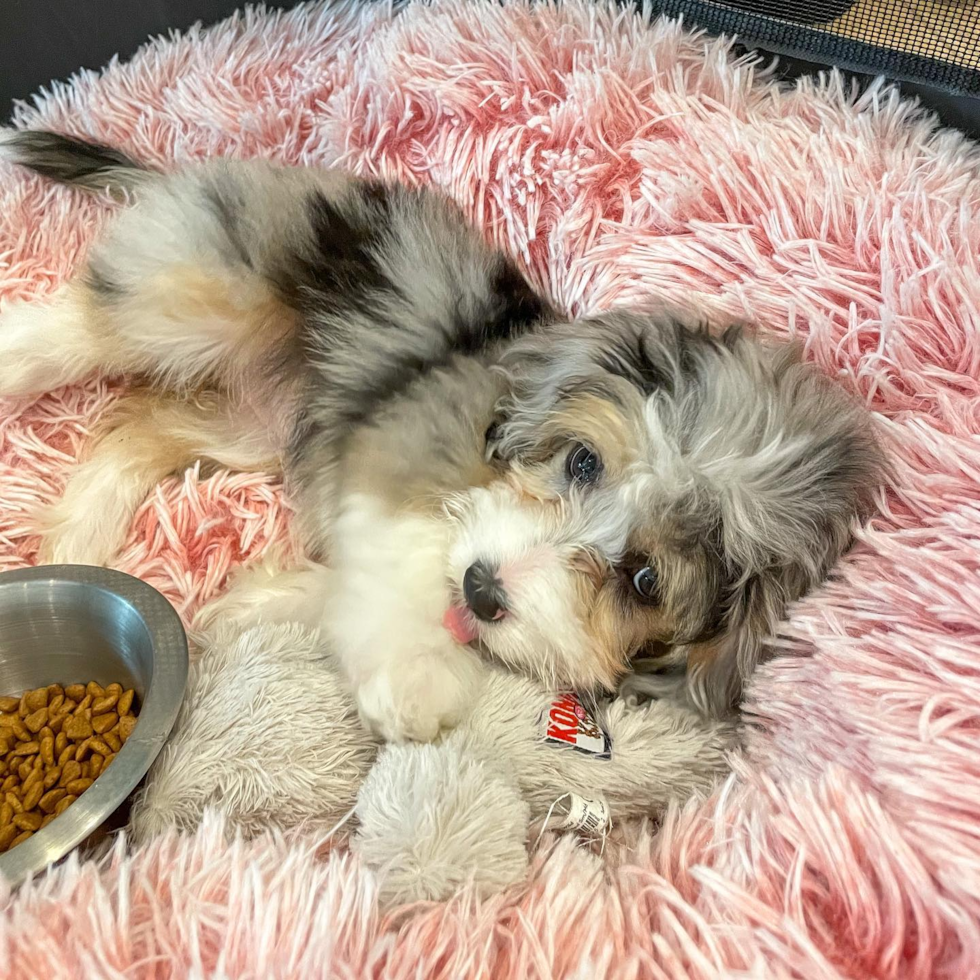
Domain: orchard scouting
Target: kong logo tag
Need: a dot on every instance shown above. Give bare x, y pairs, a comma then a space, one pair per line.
567, 722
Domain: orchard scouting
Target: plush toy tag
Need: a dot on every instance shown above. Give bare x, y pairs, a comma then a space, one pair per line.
587, 817
568, 722
575, 814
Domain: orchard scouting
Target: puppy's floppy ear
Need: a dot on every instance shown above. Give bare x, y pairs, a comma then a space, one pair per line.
719, 667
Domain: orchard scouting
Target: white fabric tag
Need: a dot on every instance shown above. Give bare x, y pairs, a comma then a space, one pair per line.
587, 817
571, 812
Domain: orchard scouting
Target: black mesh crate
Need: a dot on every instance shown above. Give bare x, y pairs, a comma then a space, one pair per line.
934, 43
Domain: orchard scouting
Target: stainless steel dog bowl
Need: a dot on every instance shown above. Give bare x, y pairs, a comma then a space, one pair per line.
70, 624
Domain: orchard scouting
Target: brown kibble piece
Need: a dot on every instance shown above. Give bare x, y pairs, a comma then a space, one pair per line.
47, 750
55, 704
8, 784
101, 705
113, 741
125, 702
6, 740
78, 786
67, 753
44, 733
35, 721
54, 690
61, 740
108, 759
84, 705
69, 771
96, 690
14, 801
6, 814
102, 723
57, 723
95, 765
98, 745
64, 803
20, 838
22, 708
27, 748
51, 777
24, 770
34, 777
48, 820
78, 729
7, 705
32, 796
114, 688
51, 799
14, 723
125, 728
7, 834
27, 821
75, 691
36, 699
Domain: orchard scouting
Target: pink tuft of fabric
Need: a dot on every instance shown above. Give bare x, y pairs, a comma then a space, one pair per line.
619, 159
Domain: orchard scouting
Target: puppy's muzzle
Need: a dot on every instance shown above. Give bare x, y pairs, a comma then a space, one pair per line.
483, 593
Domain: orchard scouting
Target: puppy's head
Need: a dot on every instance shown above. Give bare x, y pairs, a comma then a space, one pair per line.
660, 487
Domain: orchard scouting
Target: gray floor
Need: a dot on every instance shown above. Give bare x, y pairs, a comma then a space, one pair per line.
41, 40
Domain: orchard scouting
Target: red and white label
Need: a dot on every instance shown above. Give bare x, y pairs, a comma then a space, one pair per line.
568, 722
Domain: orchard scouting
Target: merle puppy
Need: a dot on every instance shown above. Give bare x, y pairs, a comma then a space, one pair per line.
483, 477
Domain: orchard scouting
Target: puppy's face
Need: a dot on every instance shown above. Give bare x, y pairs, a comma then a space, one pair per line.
657, 487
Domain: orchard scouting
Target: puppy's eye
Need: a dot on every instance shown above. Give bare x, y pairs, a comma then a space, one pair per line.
583, 465
646, 584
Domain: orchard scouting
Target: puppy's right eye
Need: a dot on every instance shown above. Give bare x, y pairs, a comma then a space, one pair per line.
646, 584
583, 465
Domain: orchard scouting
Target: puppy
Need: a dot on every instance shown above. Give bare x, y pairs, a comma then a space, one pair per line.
484, 478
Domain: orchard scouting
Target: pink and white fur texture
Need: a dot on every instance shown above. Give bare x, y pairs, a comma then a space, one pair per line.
614, 156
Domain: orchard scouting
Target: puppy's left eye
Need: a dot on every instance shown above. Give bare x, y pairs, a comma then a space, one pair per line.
583, 465
646, 584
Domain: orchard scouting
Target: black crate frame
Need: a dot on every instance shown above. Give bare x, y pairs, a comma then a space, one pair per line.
821, 46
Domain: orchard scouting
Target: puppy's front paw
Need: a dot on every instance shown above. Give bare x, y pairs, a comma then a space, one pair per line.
416, 700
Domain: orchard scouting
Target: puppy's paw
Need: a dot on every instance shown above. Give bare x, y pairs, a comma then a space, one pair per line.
43, 344
74, 538
268, 592
417, 699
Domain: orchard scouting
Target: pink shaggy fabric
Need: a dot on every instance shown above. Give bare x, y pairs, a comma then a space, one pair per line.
617, 158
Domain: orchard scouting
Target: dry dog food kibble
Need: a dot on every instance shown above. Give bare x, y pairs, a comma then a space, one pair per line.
54, 743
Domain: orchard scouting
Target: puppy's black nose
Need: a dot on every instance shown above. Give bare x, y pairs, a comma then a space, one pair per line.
483, 593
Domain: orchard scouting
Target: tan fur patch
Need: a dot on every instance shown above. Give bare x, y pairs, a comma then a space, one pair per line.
161, 433
611, 638
193, 323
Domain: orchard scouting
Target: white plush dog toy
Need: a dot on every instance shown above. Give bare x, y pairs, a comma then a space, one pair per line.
268, 734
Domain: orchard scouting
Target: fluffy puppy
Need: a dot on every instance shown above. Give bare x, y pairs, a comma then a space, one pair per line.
483, 478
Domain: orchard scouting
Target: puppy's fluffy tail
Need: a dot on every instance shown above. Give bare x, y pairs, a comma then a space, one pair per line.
71, 161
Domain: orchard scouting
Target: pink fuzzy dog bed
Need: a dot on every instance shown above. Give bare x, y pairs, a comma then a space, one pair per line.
617, 159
